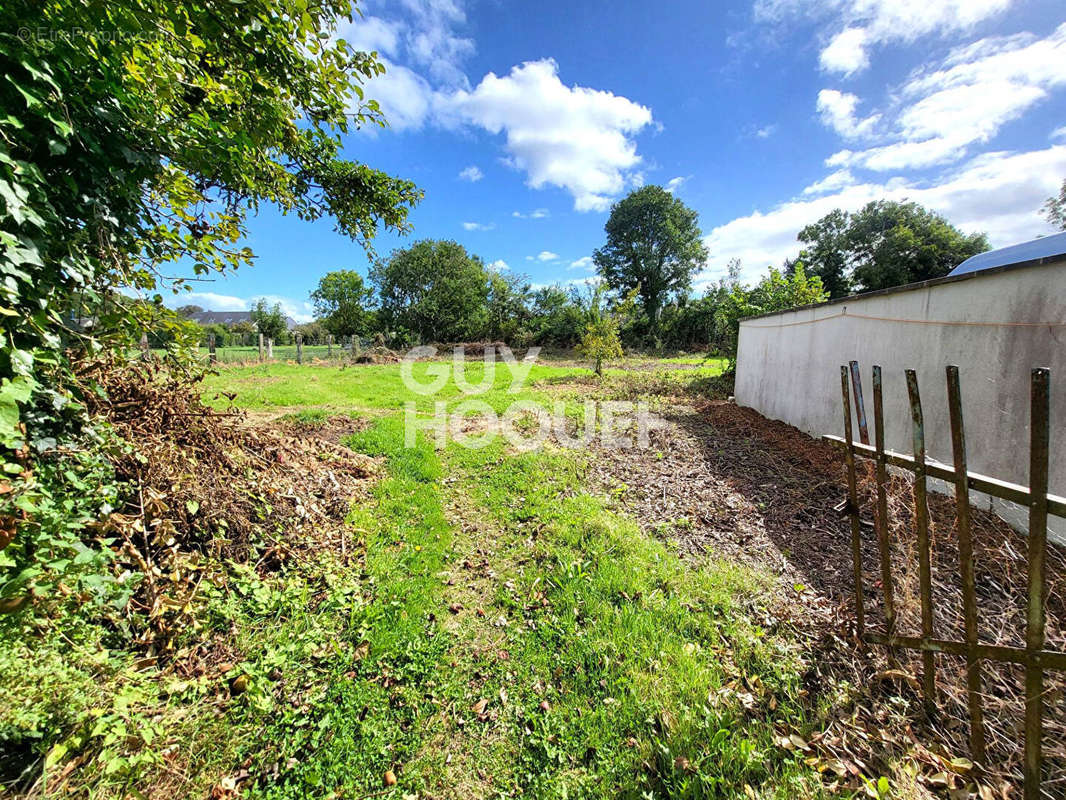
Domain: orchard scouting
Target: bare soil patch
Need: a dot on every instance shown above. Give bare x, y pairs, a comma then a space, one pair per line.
725, 482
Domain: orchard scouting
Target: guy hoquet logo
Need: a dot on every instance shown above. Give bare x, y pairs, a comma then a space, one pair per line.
525, 423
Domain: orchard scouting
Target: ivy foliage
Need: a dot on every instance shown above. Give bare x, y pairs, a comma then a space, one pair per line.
141, 133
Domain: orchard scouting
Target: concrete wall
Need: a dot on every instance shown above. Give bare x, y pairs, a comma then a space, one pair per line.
788, 367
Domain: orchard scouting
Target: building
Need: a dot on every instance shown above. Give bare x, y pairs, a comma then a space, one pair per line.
996, 316
230, 318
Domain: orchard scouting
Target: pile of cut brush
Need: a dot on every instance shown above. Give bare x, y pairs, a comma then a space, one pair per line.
204, 486
377, 355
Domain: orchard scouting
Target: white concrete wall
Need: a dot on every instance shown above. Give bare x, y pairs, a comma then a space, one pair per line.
788, 367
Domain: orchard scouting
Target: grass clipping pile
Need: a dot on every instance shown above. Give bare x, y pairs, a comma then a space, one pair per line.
205, 487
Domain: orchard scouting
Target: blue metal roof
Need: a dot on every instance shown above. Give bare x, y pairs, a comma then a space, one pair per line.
1044, 247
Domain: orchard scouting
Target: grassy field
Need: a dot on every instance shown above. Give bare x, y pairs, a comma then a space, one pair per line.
501, 633
535, 643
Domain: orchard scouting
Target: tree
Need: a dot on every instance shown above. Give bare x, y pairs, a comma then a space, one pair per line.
558, 318
885, 244
508, 308
243, 332
189, 310
654, 245
892, 244
435, 290
270, 321
341, 301
826, 254
775, 292
1055, 209
151, 144
600, 340
311, 332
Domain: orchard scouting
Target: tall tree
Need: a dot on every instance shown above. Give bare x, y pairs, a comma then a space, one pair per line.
892, 244
885, 244
826, 254
143, 132
654, 244
341, 302
434, 290
1055, 209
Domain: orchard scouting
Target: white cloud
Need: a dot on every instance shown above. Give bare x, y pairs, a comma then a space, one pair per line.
846, 53
499, 265
940, 112
471, 173
576, 138
372, 34
478, 226
854, 26
674, 184
1058, 134
405, 97
299, 310
209, 301
417, 35
544, 255
585, 262
573, 137
831, 183
837, 110
766, 131
537, 213
433, 43
999, 193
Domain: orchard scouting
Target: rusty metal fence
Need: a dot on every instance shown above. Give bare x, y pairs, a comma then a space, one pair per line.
1033, 656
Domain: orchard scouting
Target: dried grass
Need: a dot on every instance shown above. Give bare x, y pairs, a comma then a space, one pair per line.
203, 487
726, 481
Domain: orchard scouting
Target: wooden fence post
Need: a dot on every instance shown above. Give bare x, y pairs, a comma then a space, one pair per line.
881, 518
355, 347
853, 509
260, 347
270, 349
299, 349
211, 348
966, 566
145, 352
329, 346
921, 520
1039, 446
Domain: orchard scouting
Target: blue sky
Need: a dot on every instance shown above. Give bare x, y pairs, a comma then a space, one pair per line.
522, 122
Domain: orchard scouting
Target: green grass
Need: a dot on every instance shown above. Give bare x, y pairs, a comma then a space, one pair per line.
608, 666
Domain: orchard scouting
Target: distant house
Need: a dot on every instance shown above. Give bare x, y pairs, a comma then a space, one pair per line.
230, 318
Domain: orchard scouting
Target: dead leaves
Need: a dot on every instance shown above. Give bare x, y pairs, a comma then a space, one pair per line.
203, 482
